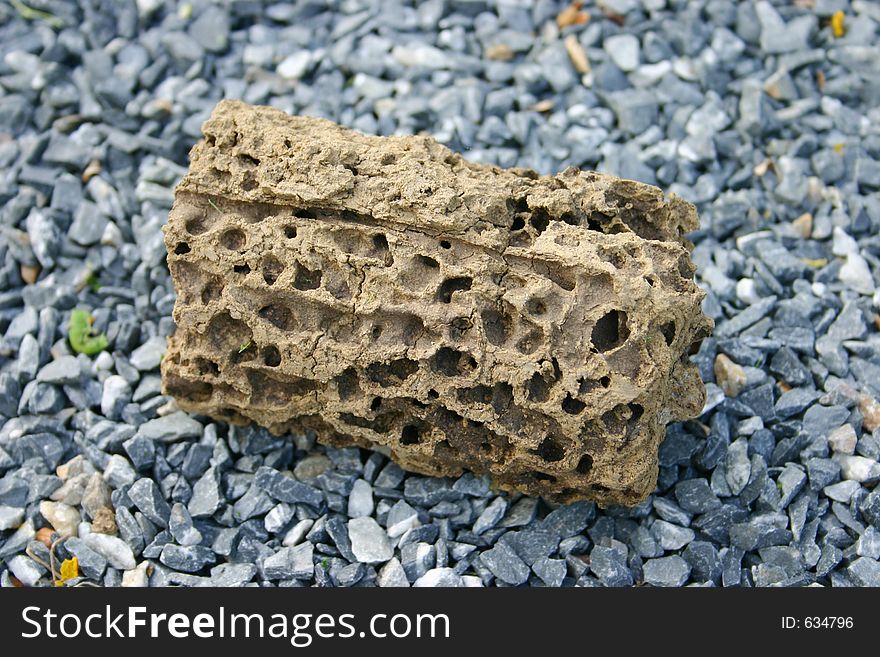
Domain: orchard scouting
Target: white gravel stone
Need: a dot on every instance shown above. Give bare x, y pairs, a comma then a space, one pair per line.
136, 577
438, 577
858, 468
624, 50
64, 518
360, 500
369, 542
116, 551
10, 517
392, 575
295, 66
297, 533
25, 569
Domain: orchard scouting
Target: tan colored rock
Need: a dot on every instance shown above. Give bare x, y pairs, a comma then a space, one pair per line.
870, 409
64, 518
730, 376
385, 292
104, 521
843, 439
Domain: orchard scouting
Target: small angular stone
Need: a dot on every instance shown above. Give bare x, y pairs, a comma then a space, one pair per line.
116, 551
190, 559
666, 571
392, 575
290, 563
439, 577
504, 563
369, 542
146, 496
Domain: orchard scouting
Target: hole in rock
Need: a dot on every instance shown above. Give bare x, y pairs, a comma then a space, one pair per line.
427, 262
444, 244
536, 307
277, 315
206, 367
585, 464
561, 278
530, 341
244, 269
269, 391
458, 327
290, 232
195, 226
347, 384
451, 285
393, 373
197, 391
550, 450
212, 292
181, 248
248, 182
248, 160
496, 326
380, 243
233, 239
450, 362
518, 224
304, 213
271, 356
224, 332
272, 268
542, 476
376, 404
632, 424
572, 406
410, 435
610, 331
668, 331
538, 389
539, 220
433, 394
307, 279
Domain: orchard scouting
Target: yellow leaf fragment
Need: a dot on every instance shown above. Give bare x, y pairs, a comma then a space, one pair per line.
577, 54
572, 15
816, 263
837, 27
499, 52
69, 570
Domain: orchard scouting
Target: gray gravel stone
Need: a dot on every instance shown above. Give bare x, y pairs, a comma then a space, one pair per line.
290, 563
666, 571
189, 559
504, 563
146, 496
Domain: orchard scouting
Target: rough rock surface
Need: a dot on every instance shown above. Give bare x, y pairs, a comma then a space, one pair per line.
386, 292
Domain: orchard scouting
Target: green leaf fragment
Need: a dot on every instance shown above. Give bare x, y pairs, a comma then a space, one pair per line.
80, 334
93, 282
31, 14
244, 347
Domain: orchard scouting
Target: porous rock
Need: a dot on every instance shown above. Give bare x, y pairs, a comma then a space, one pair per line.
386, 292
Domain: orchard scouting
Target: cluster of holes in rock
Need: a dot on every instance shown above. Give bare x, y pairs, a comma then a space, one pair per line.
609, 332
527, 223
